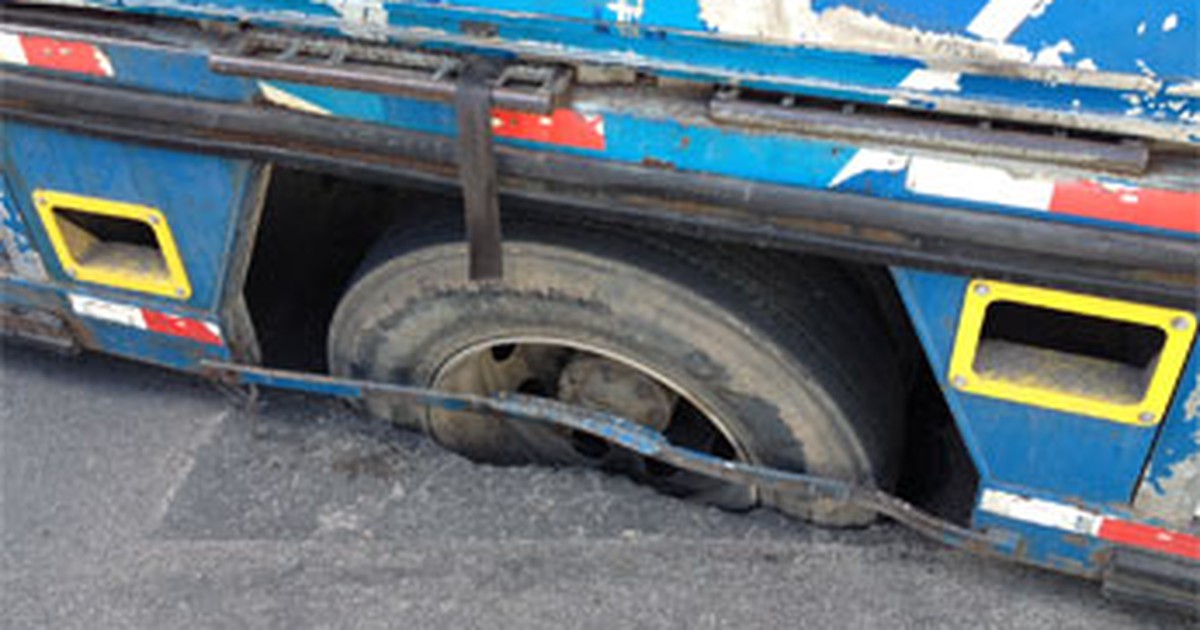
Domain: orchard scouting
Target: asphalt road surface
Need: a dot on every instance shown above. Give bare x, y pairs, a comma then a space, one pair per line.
137, 498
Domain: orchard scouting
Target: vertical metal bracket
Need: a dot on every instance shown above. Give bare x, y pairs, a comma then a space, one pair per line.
477, 167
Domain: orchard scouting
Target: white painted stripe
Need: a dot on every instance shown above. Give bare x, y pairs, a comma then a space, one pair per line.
104, 310
286, 99
983, 184
928, 80
869, 161
999, 19
11, 50
1040, 512
103, 62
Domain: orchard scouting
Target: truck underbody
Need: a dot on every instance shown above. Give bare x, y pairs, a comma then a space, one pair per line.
829, 263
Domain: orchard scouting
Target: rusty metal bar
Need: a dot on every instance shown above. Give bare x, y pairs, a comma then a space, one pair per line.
946, 133
627, 434
477, 169
384, 69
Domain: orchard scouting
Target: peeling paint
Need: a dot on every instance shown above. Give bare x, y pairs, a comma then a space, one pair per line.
870, 161
21, 254
1173, 496
797, 22
1053, 55
928, 80
1170, 23
1191, 408
364, 18
627, 11
1190, 89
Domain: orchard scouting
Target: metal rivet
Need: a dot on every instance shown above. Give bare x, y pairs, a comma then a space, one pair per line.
1146, 417
1179, 323
959, 381
982, 289
153, 220
41, 201
179, 292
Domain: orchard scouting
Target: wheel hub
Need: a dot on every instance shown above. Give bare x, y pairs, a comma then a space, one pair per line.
587, 379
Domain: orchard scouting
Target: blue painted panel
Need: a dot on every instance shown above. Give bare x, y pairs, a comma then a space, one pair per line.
1045, 546
313, 385
144, 345
1135, 37
126, 341
200, 195
1062, 454
175, 71
683, 37
632, 139
1171, 487
694, 144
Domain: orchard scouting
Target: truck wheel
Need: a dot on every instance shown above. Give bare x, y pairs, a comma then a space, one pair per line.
749, 355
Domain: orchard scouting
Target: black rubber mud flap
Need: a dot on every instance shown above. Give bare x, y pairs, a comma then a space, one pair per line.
477, 168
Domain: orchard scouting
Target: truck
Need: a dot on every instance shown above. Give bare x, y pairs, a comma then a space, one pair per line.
931, 261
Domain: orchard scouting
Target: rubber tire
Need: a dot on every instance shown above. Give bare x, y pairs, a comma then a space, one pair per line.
782, 348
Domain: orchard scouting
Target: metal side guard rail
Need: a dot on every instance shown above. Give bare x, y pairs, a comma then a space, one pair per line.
630, 435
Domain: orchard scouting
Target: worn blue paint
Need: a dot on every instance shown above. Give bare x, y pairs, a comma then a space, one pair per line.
1114, 42
670, 37
633, 436
696, 146
1060, 453
30, 295
12, 224
313, 385
180, 70
647, 136
1179, 442
355, 105
1049, 547
14, 236
144, 345
199, 195
891, 184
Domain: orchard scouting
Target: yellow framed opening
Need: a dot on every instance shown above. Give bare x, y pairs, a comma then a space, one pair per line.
112, 243
1098, 357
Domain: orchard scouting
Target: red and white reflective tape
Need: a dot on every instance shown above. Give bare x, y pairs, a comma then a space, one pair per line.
54, 54
1166, 209
147, 319
564, 127
1079, 521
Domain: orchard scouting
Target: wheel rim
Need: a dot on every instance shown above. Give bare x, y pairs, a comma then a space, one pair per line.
593, 378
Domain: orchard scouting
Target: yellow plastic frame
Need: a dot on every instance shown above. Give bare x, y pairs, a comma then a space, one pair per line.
1178, 326
173, 284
